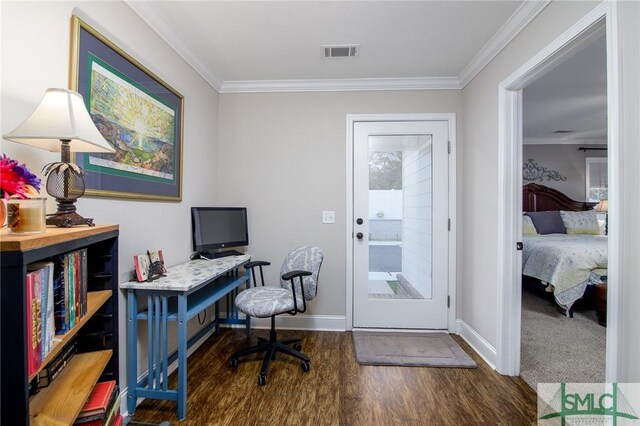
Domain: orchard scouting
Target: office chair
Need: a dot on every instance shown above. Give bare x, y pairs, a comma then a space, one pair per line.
298, 284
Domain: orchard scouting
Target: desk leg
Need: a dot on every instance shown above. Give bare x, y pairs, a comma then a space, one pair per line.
182, 356
132, 351
217, 316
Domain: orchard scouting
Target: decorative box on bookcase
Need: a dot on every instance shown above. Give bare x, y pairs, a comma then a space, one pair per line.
96, 332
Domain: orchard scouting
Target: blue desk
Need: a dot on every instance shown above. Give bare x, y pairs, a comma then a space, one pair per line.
186, 290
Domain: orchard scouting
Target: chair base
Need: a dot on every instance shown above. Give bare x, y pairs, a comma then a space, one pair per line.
271, 347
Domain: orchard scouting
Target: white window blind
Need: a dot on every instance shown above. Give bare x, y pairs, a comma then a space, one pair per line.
596, 177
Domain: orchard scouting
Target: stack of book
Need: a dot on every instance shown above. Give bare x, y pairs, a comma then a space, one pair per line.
55, 367
56, 300
70, 289
103, 406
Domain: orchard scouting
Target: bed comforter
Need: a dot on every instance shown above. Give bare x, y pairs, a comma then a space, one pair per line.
568, 262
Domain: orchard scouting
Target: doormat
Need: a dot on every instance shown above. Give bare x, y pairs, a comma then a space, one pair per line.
410, 349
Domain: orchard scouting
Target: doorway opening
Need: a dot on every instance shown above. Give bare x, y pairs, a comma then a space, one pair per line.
564, 274
590, 29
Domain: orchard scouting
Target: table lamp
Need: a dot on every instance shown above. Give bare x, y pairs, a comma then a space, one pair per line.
603, 207
61, 123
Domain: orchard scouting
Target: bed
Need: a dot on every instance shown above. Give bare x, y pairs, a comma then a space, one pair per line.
567, 264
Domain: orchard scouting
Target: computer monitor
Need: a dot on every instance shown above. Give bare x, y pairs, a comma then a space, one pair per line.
218, 228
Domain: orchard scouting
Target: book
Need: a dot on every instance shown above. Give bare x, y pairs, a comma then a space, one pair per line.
76, 283
118, 421
46, 314
98, 402
83, 280
60, 295
71, 289
49, 324
57, 364
34, 321
106, 418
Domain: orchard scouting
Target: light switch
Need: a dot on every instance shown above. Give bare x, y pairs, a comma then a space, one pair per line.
328, 217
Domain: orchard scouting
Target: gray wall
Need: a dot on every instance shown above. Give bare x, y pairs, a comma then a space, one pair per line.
567, 160
287, 163
480, 173
35, 56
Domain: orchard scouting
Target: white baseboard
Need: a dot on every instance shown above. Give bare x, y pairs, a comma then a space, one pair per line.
300, 322
477, 343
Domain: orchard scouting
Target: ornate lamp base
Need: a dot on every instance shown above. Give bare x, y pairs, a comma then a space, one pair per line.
67, 220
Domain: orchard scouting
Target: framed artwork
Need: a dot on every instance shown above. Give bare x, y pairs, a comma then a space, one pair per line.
137, 113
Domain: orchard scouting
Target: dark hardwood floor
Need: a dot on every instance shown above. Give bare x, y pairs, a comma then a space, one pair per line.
339, 391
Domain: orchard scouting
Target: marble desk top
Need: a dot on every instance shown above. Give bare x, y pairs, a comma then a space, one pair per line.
190, 275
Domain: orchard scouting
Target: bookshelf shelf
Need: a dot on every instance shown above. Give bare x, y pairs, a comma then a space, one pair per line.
61, 402
95, 300
96, 359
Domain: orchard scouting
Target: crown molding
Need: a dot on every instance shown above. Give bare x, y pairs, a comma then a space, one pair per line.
528, 10
516, 23
158, 23
340, 85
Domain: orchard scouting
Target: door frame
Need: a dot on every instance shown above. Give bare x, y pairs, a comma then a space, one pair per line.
601, 20
450, 118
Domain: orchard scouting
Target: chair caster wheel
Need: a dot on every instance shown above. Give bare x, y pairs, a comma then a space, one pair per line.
262, 380
297, 346
305, 366
234, 362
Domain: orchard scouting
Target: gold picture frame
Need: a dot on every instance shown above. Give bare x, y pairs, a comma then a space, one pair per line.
140, 115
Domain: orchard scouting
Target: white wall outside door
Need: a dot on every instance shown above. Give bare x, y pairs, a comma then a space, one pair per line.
400, 267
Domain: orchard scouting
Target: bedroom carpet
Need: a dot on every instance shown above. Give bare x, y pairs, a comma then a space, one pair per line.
559, 349
410, 349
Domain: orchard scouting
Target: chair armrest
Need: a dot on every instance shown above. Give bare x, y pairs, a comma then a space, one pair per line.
259, 264
256, 263
293, 274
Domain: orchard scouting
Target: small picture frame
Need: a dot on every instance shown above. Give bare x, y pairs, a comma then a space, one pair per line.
157, 263
142, 263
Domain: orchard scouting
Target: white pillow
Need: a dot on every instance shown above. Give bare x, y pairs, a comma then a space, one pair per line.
528, 228
580, 222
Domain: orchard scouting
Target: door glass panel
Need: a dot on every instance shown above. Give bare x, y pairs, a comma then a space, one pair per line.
400, 217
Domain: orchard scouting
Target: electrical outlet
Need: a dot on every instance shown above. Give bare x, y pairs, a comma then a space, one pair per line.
328, 217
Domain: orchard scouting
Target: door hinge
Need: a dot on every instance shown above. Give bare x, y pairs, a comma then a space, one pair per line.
448, 301
449, 147
449, 224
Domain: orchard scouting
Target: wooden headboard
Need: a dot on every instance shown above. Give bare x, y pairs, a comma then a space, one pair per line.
540, 198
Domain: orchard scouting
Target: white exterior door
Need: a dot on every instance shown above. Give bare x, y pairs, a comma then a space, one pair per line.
400, 224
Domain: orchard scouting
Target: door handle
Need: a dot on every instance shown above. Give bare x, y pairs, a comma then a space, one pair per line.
359, 235
359, 221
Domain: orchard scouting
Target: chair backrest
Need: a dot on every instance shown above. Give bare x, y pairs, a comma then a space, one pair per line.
306, 259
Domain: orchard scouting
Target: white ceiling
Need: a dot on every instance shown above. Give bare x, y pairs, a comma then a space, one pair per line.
572, 96
240, 41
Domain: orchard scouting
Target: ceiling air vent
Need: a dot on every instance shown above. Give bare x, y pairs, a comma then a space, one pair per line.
341, 51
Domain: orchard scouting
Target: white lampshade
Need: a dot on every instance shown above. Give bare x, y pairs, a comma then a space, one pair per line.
61, 114
603, 206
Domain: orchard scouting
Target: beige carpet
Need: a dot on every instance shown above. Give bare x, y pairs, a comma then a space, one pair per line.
410, 349
559, 349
